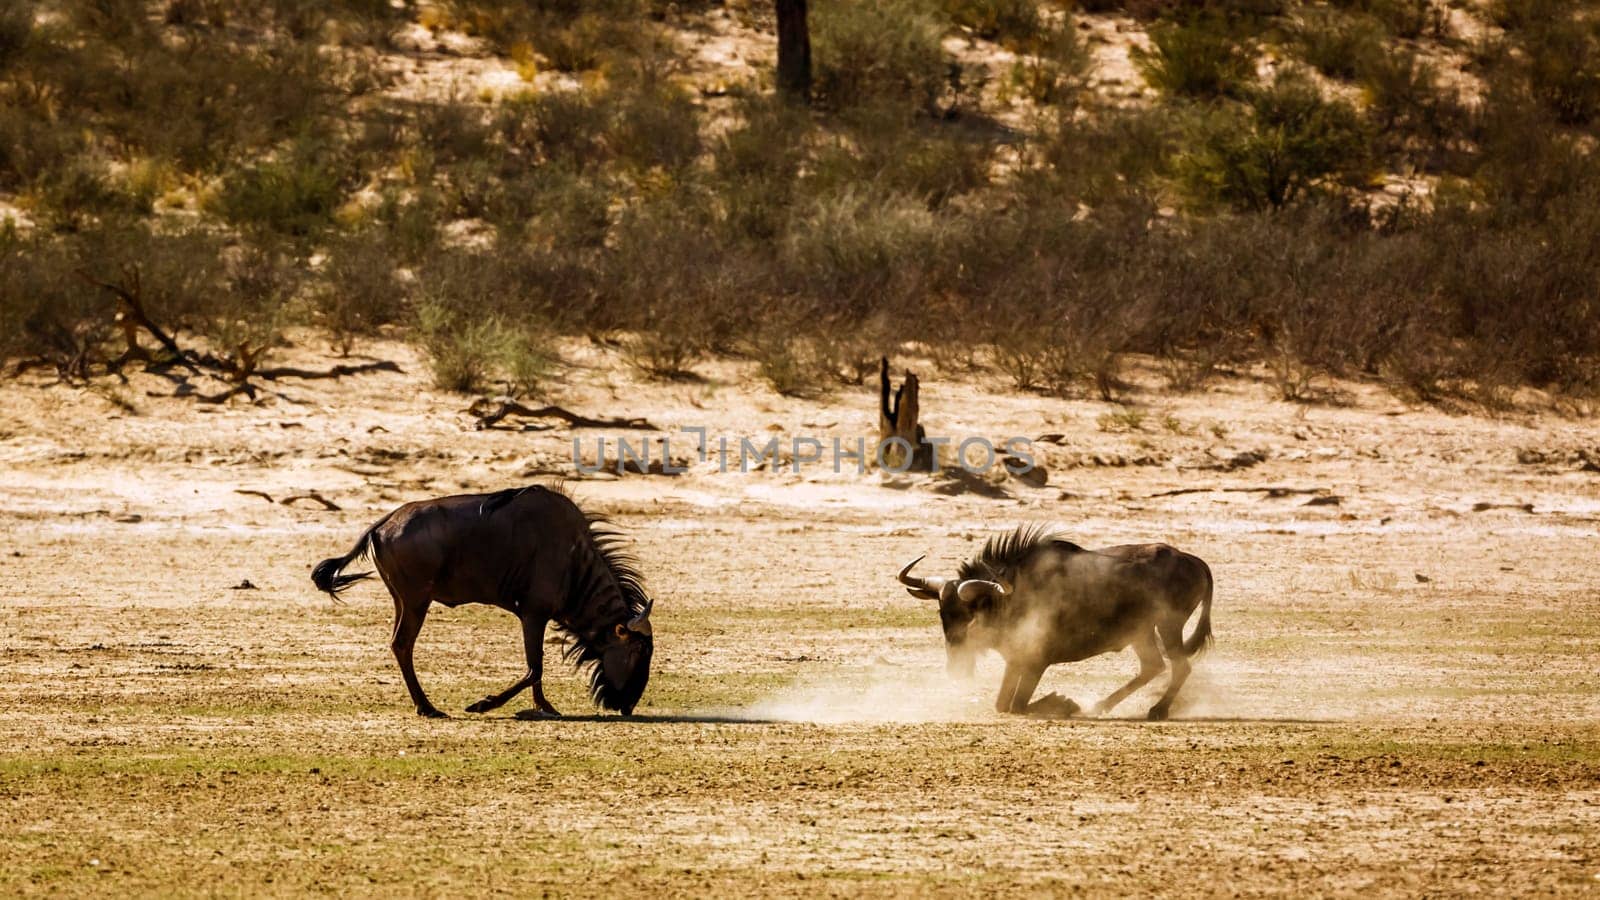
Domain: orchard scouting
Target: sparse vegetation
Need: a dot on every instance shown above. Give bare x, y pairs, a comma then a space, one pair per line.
1196, 58
1233, 222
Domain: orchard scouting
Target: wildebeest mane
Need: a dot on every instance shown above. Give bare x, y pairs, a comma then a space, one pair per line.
1004, 553
609, 561
596, 564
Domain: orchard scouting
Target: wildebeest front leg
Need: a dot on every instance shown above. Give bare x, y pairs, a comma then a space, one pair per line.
533, 646
1150, 665
495, 701
1016, 687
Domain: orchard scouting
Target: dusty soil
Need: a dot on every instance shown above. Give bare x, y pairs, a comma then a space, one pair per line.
1403, 697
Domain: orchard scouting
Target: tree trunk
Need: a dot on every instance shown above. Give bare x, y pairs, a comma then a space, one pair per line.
794, 51
899, 420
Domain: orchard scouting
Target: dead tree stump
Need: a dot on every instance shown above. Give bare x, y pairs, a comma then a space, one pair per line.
899, 420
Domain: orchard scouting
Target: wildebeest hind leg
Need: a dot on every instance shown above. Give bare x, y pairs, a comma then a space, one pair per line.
408, 617
1150, 665
1172, 639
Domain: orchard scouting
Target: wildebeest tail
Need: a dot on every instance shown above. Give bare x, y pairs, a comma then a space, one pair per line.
1200, 641
326, 576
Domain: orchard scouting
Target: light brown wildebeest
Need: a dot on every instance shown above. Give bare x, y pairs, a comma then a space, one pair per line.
529, 551
1040, 599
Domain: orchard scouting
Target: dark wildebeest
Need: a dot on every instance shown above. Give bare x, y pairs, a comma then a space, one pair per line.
529, 551
1040, 599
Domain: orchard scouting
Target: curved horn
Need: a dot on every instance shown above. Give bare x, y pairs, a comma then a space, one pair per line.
928, 585
641, 622
973, 588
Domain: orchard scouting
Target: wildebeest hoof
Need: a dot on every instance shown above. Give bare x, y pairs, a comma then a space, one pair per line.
1053, 706
483, 705
537, 714
1157, 714
430, 712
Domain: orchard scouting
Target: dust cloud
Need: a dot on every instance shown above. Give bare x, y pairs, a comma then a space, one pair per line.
879, 695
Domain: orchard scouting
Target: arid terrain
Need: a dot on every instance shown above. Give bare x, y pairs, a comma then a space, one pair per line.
1404, 695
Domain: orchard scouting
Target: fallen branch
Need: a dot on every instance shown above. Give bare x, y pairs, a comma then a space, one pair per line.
1269, 491
129, 295
489, 412
339, 371
313, 495
249, 493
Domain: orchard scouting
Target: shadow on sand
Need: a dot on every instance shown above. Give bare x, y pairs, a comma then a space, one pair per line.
735, 718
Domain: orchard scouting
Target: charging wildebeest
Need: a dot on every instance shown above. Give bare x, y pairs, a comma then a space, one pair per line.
529, 551
1040, 599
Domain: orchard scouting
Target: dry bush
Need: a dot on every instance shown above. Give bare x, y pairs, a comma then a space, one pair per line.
570, 128
1412, 116
893, 150
360, 288
572, 37
1053, 65
756, 167
657, 124
46, 313
1199, 58
860, 251
1338, 45
1011, 22
876, 52
794, 366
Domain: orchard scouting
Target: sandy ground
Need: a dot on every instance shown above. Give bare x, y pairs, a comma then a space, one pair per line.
1403, 697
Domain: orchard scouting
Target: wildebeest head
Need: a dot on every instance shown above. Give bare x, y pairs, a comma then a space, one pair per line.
963, 604
624, 663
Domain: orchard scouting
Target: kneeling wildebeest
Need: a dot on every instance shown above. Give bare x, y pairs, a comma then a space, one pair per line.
529, 551
1040, 599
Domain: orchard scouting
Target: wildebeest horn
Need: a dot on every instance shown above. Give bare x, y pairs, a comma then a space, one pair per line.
641, 622
973, 588
929, 585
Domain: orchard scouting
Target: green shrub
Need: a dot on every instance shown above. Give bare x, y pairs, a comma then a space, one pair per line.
792, 365
1337, 45
858, 247
295, 194
867, 51
462, 351
1273, 150
1114, 155
1053, 66
1410, 114
454, 130
757, 164
469, 346
1195, 59
1408, 19
360, 288
892, 149
1563, 62
657, 124
1011, 22
571, 128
